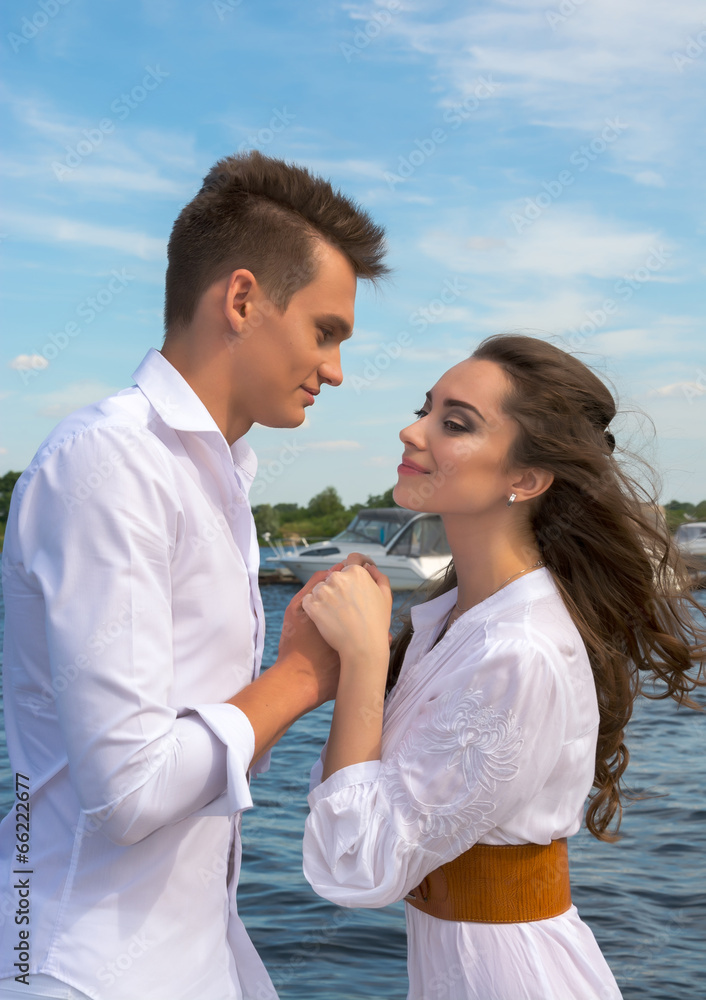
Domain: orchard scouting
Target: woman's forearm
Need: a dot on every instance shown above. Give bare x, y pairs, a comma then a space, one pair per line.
356, 729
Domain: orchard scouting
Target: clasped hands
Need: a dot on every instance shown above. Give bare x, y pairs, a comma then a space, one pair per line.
342, 615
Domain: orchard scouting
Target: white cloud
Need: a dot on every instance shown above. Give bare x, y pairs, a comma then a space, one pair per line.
346, 168
122, 159
650, 178
29, 362
450, 355
537, 314
333, 445
72, 397
678, 418
631, 342
112, 178
561, 243
571, 65
485, 243
683, 390
56, 229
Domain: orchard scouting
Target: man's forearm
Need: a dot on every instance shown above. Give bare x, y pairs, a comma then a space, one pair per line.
279, 696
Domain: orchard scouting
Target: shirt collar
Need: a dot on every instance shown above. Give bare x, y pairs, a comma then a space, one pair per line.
180, 408
526, 589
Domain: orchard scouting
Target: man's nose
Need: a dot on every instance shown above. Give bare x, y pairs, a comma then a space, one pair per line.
330, 371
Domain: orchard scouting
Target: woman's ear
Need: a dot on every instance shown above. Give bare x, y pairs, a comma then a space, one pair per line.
531, 483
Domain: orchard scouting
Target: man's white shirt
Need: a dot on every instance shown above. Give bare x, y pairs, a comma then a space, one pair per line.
132, 616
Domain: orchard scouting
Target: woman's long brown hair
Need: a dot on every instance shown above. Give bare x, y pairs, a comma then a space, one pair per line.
609, 552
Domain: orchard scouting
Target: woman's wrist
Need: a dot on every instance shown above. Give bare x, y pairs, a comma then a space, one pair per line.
366, 659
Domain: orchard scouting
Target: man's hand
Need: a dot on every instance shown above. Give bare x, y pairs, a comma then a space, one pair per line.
304, 676
302, 646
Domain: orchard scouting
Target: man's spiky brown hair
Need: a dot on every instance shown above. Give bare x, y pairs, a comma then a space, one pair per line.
268, 216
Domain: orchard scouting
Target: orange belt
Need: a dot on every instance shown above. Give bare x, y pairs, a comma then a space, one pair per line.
498, 885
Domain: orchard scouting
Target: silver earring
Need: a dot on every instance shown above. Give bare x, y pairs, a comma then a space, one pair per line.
511, 499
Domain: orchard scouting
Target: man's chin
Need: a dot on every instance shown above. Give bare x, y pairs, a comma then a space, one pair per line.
284, 419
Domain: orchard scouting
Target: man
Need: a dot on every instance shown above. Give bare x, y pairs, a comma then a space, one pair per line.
134, 627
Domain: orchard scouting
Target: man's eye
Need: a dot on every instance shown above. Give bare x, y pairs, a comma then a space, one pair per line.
327, 334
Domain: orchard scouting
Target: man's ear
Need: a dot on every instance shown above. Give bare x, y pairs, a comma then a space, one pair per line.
241, 289
531, 483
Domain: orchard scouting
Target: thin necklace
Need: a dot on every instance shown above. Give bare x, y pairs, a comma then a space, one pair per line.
540, 562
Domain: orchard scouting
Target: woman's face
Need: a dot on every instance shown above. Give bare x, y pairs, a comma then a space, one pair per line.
455, 454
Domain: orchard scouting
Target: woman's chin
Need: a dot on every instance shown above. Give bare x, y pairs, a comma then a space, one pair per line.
406, 497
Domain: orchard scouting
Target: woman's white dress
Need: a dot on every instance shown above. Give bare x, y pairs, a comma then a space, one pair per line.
489, 737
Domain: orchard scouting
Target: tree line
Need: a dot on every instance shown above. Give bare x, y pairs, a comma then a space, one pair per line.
326, 514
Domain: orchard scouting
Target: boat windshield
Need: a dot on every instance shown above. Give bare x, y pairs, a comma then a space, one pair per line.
371, 529
425, 537
690, 532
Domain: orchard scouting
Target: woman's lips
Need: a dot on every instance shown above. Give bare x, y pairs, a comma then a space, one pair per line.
409, 468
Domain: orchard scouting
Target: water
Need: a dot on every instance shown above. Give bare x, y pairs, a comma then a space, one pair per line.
643, 898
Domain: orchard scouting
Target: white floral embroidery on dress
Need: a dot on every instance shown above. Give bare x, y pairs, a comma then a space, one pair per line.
441, 779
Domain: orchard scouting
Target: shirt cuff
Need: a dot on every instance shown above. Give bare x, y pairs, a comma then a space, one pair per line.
354, 774
232, 727
262, 765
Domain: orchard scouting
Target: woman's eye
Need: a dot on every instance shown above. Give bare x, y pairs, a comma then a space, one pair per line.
419, 413
454, 427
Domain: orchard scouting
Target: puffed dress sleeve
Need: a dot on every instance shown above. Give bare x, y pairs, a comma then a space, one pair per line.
468, 758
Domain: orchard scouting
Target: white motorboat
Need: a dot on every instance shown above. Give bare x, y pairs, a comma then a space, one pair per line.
690, 537
407, 547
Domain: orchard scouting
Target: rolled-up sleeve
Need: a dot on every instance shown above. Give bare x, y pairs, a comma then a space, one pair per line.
98, 536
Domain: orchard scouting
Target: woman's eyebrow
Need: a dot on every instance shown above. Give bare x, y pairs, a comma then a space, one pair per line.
459, 402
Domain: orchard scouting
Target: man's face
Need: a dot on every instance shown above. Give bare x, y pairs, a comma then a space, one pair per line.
285, 357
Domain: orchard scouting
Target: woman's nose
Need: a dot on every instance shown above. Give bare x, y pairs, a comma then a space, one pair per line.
413, 434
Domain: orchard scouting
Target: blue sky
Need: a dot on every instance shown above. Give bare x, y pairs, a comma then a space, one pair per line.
538, 166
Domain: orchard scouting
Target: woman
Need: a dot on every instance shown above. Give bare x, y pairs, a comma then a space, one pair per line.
508, 691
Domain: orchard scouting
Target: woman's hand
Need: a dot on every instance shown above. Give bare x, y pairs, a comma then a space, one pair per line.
301, 642
351, 609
